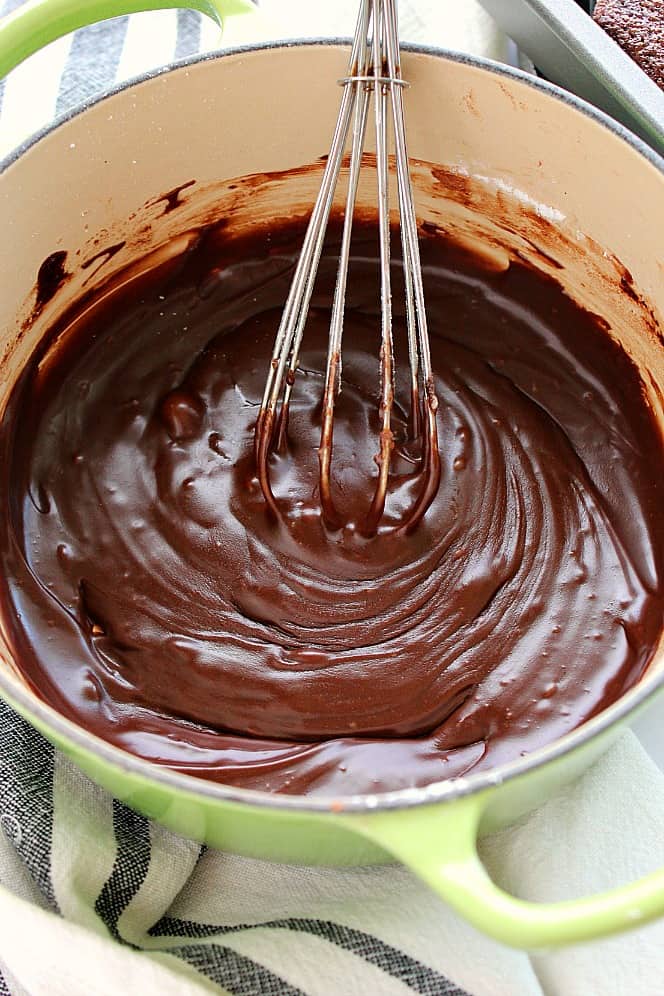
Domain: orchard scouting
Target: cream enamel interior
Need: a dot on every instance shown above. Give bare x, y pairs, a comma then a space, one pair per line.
533, 174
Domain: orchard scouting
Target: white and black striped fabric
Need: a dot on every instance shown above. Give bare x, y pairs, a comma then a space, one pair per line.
274, 930
81, 66
96, 900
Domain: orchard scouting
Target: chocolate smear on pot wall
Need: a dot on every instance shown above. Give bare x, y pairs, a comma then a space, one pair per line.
104, 255
171, 198
50, 278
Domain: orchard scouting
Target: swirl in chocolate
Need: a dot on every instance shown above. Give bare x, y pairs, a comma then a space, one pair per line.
152, 599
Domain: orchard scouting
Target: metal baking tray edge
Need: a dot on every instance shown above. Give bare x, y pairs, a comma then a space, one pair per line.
570, 49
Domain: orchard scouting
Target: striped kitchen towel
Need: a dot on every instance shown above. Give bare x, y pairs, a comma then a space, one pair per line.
95, 899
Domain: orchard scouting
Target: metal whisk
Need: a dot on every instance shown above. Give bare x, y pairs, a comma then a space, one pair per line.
374, 69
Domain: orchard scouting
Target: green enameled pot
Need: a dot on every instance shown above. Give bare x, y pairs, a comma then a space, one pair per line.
532, 152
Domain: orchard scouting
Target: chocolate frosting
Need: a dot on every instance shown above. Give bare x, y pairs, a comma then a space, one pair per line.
150, 596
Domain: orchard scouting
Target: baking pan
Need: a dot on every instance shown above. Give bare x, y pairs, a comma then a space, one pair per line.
570, 49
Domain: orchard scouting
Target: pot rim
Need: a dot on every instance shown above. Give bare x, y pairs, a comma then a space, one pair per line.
444, 791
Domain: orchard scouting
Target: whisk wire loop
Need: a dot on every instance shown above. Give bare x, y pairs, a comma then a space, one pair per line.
374, 70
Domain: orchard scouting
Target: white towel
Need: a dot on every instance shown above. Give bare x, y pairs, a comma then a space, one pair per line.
95, 899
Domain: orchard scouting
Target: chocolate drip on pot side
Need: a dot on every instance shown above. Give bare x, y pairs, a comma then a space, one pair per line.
150, 597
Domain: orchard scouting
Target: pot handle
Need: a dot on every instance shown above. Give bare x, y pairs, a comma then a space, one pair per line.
38, 22
439, 843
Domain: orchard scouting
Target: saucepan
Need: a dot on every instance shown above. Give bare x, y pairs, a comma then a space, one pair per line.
535, 153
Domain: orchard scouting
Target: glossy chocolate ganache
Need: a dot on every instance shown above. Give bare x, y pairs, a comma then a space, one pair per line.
151, 597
